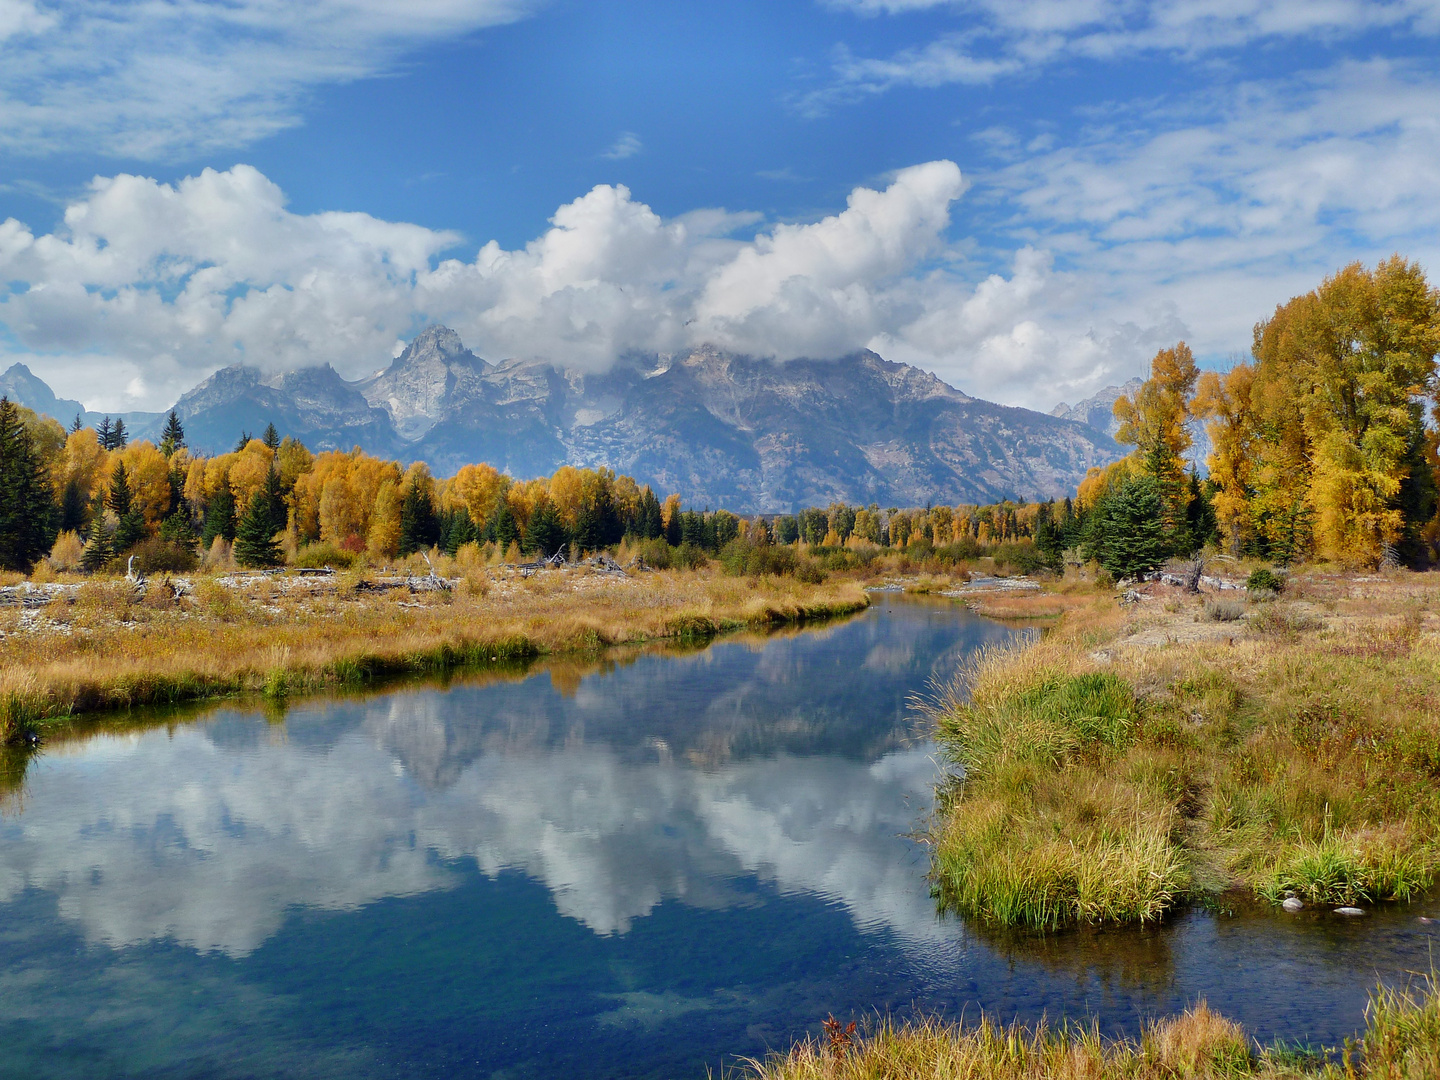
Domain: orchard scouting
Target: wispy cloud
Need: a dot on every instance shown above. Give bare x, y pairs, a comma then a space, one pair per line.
995, 39
159, 80
626, 146
1151, 223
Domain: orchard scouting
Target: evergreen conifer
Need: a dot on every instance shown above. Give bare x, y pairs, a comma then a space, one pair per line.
119, 438
546, 534
1126, 530
27, 507
173, 437
271, 437
130, 529
219, 516
98, 550
419, 527
650, 523
74, 508
255, 544
502, 527
102, 433
244, 441
177, 528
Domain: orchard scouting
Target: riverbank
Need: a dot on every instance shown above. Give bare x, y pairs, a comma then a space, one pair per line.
1401, 1042
107, 644
1178, 747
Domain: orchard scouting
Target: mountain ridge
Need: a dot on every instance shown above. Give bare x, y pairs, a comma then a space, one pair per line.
724, 429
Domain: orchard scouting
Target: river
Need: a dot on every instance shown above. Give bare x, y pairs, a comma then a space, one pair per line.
634, 867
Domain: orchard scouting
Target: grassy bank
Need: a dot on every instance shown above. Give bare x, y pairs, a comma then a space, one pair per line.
107, 647
1139, 758
1401, 1042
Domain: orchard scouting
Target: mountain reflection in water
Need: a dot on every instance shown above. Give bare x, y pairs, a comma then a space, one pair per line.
628, 867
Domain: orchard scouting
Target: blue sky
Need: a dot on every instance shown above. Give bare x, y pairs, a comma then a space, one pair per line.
1040, 194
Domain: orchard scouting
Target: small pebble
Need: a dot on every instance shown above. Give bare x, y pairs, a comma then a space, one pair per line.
1349, 911
1292, 903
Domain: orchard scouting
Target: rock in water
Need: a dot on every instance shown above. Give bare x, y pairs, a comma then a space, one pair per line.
1349, 911
1292, 903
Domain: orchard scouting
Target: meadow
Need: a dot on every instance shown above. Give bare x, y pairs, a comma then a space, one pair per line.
1183, 747
106, 644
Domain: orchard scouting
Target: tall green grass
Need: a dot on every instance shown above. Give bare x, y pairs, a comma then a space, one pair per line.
1037, 831
1401, 1042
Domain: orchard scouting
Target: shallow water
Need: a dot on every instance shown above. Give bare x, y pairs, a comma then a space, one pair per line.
635, 868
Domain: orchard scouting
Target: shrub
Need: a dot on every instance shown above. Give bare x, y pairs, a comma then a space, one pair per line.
1020, 555
1265, 580
316, 556
656, 552
155, 555
67, 552
689, 556
1222, 609
1280, 622
742, 558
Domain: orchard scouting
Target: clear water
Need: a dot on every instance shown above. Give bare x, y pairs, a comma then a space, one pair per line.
637, 868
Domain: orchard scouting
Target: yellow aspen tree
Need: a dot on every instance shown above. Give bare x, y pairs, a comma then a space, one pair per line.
383, 537
1223, 401
83, 462
669, 509
479, 488
248, 471
1155, 421
149, 474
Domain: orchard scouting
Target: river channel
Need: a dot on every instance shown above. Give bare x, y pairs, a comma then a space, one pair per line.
641, 866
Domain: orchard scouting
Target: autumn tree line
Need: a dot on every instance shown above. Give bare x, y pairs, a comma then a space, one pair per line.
90, 501
1321, 449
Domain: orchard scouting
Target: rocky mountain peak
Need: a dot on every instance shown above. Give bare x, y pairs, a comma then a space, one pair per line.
415, 389
433, 343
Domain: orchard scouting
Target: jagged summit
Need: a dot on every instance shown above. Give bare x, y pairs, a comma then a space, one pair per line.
414, 389
1098, 411
722, 428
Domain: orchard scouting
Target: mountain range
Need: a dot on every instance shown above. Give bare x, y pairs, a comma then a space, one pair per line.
726, 430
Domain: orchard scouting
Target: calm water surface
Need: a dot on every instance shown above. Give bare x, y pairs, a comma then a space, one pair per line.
636, 868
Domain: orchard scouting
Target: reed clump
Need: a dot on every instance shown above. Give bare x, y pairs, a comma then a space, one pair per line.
110, 646
1135, 760
1401, 1041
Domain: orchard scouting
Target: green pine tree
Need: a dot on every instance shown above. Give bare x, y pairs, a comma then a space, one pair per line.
255, 544
27, 506
119, 437
546, 534
502, 527
98, 550
219, 516
173, 437
178, 529
130, 529
243, 442
419, 528
271, 437
651, 522
102, 433
1126, 530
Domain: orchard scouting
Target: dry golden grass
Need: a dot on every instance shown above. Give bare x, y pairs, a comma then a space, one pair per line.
1295, 752
1197, 1045
1401, 1042
107, 648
